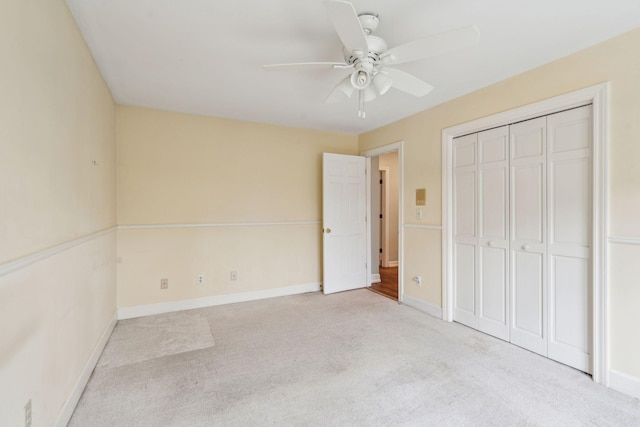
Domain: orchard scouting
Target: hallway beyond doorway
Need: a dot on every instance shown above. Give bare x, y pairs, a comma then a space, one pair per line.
388, 285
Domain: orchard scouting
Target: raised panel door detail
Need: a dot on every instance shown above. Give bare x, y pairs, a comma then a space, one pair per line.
570, 130
528, 143
493, 145
333, 212
569, 301
569, 312
528, 202
354, 169
465, 284
355, 211
464, 151
527, 293
570, 201
493, 285
465, 204
493, 191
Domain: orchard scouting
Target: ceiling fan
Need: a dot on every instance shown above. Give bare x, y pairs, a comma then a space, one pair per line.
369, 58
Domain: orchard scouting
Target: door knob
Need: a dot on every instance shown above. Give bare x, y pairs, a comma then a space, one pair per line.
525, 247
327, 230
490, 243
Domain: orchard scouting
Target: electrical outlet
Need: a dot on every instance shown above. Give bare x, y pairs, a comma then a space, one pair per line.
234, 275
418, 280
200, 279
27, 414
164, 283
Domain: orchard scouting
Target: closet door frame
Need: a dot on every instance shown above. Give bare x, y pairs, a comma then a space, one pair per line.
597, 96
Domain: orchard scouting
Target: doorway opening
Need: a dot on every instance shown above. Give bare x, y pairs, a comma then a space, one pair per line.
384, 228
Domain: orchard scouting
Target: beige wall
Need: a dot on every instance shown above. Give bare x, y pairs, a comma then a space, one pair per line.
56, 117
255, 190
615, 61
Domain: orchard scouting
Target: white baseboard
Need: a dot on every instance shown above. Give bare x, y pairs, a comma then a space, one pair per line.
392, 264
624, 383
430, 309
168, 307
70, 405
375, 278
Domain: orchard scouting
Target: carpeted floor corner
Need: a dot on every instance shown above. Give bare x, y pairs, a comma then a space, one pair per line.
348, 359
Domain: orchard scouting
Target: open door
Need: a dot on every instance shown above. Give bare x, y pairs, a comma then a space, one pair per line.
344, 222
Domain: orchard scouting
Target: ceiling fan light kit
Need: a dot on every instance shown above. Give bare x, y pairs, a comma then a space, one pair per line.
382, 82
370, 58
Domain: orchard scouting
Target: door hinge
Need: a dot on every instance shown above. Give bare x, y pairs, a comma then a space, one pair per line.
380, 216
380, 182
380, 250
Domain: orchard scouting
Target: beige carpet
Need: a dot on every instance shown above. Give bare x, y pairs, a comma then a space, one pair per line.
353, 358
151, 337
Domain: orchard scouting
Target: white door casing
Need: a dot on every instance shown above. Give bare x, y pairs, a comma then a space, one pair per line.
344, 222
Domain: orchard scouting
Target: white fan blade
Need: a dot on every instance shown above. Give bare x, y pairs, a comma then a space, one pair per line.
295, 65
346, 23
432, 46
408, 83
343, 91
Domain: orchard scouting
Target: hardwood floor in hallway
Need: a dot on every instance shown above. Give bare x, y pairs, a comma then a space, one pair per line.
388, 285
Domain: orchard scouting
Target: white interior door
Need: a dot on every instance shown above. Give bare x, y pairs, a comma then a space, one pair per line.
528, 234
344, 222
570, 224
493, 232
464, 229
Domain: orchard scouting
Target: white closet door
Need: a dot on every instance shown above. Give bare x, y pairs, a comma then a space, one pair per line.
464, 229
493, 232
570, 224
528, 231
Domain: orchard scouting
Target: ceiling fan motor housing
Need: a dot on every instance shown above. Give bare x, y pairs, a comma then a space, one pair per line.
376, 46
369, 22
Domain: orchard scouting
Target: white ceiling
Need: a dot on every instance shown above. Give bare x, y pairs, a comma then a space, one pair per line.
206, 56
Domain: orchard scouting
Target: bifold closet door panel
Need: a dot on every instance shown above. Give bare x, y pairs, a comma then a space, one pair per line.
493, 232
464, 229
569, 161
528, 234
